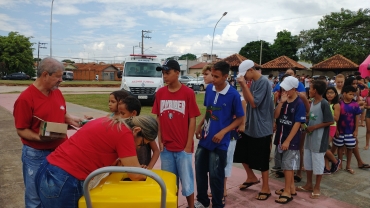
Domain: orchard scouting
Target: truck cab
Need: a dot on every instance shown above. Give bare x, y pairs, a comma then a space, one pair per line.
140, 77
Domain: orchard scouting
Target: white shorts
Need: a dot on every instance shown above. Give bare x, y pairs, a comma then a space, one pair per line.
314, 161
230, 158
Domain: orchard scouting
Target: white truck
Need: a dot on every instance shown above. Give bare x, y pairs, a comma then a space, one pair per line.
140, 78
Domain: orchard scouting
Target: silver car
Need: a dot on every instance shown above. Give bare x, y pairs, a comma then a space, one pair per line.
186, 78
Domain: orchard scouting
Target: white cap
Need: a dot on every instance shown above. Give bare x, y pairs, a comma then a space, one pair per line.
244, 67
289, 83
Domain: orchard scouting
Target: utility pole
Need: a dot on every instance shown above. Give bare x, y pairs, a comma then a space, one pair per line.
261, 53
143, 35
38, 51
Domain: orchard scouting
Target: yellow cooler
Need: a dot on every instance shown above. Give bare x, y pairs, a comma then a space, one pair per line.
159, 189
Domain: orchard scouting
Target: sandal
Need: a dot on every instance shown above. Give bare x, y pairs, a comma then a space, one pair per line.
279, 174
297, 179
279, 192
300, 188
223, 201
364, 166
351, 171
246, 185
287, 199
315, 196
267, 195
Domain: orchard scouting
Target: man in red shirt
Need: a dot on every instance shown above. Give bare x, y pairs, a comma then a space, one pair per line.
44, 100
176, 110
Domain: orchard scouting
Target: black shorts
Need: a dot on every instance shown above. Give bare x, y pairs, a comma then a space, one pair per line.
253, 151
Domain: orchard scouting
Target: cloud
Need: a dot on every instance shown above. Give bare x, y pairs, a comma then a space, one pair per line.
9, 24
98, 46
120, 46
172, 17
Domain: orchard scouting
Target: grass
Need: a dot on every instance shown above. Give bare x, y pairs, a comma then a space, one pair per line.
100, 102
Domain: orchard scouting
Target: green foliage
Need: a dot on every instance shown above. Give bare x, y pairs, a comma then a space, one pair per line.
188, 56
345, 32
68, 61
252, 49
285, 45
16, 54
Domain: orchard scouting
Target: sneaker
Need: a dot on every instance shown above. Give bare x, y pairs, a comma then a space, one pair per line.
199, 205
335, 167
276, 168
326, 171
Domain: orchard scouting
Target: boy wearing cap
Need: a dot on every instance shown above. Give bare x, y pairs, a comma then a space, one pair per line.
176, 110
258, 127
290, 113
222, 102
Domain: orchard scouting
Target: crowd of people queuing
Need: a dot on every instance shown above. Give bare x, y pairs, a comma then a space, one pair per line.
312, 123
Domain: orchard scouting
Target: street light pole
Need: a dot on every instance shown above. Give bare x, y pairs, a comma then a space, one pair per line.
51, 28
224, 14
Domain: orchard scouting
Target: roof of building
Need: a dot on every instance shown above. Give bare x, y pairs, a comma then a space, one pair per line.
336, 62
235, 59
198, 65
93, 66
282, 62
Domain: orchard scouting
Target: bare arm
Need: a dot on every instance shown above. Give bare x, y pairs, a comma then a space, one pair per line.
198, 132
155, 156
72, 120
191, 132
160, 143
220, 135
246, 92
132, 162
242, 124
28, 134
336, 112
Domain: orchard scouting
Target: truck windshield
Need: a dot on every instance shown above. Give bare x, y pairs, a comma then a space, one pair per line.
137, 69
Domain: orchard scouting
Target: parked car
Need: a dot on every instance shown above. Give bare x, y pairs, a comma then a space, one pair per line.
186, 78
16, 76
67, 75
197, 81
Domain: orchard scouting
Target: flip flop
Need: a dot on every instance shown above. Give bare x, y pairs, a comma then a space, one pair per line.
364, 166
279, 192
297, 179
263, 194
300, 188
351, 171
246, 185
315, 196
279, 174
288, 199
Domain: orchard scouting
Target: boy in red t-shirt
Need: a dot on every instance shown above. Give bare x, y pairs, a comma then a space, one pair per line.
176, 110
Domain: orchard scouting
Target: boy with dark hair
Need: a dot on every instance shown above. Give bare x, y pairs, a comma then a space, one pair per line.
222, 102
176, 110
317, 138
132, 106
258, 128
347, 124
290, 113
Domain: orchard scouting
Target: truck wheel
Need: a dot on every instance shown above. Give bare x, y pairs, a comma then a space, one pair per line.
201, 87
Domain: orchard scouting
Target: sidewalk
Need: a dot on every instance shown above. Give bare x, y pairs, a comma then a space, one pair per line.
340, 190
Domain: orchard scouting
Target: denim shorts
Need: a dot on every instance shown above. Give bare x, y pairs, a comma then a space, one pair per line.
57, 188
31, 162
230, 158
179, 163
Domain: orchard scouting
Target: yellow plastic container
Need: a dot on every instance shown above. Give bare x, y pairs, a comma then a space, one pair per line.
113, 191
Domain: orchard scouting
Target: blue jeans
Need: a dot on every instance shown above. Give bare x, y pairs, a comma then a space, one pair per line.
57, 188
213, 162
180, 164
31, 161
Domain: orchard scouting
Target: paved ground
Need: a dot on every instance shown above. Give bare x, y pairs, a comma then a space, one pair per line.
339, 190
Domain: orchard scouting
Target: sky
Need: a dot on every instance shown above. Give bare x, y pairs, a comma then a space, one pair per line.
109, 30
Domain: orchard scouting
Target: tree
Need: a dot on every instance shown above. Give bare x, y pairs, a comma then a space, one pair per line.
345, 32
16, 54
68, 61
252, 50
188, 56
285, 45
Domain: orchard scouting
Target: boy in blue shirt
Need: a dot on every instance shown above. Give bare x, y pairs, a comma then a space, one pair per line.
222, 102
290, 113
